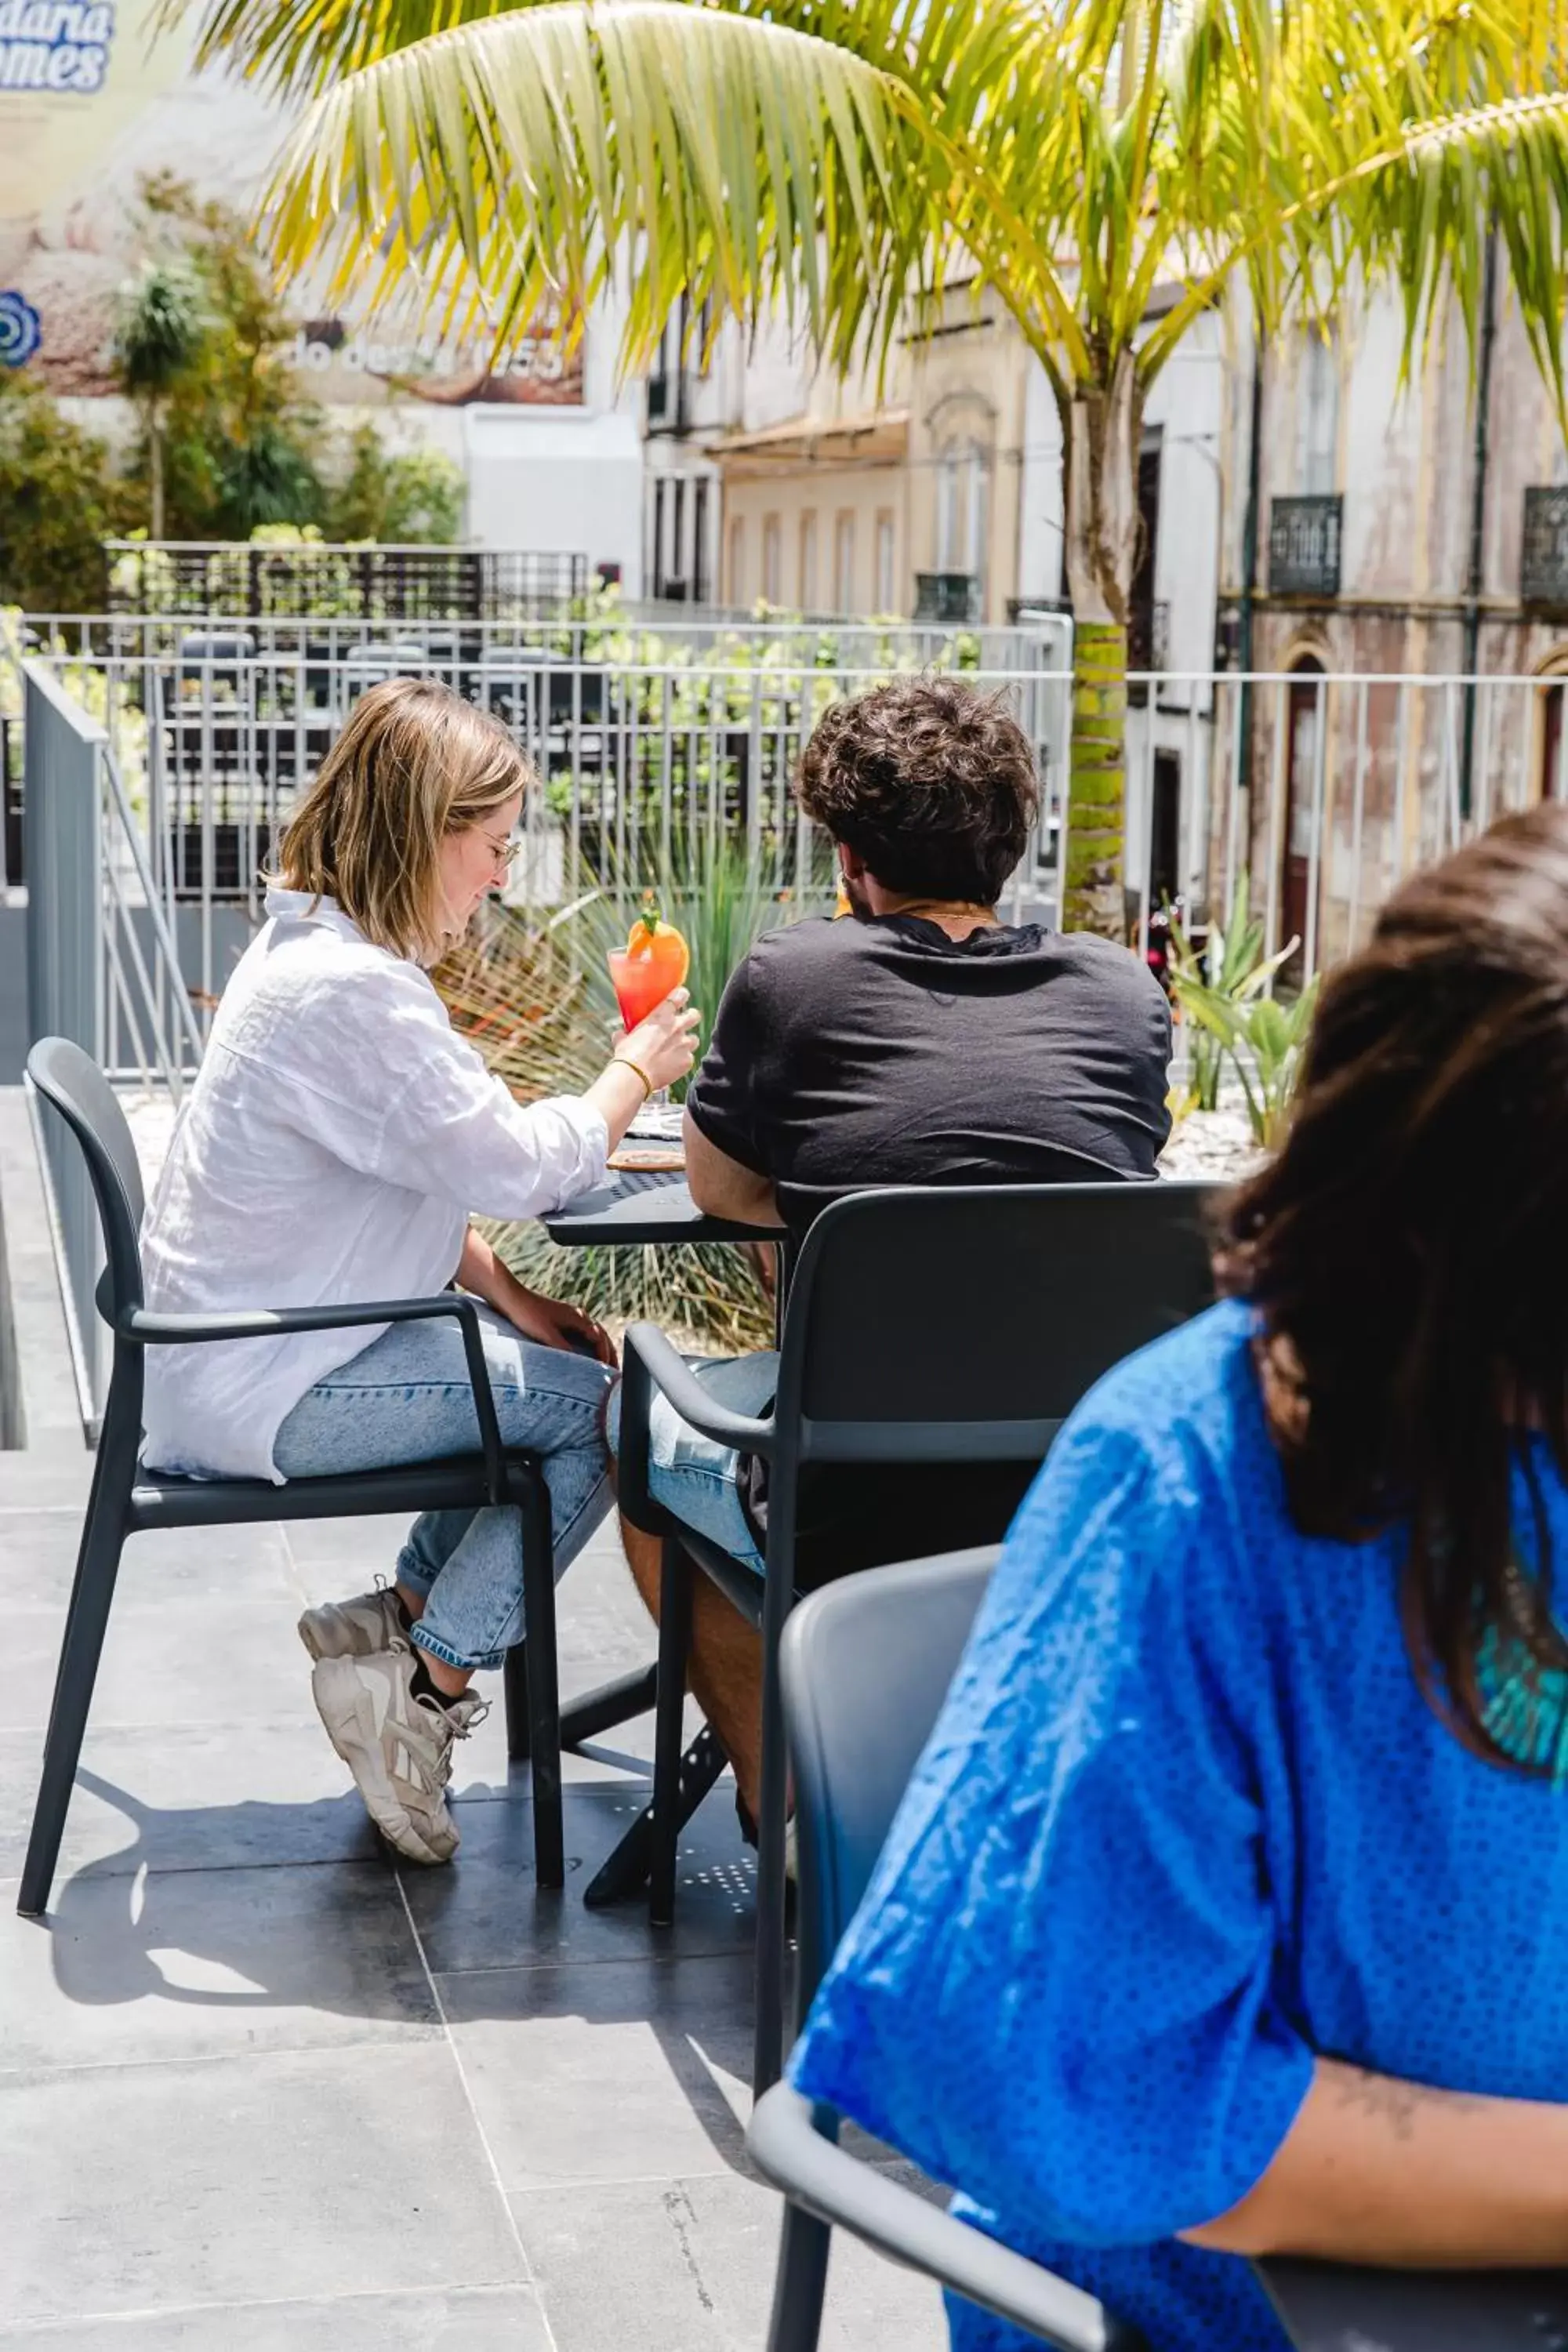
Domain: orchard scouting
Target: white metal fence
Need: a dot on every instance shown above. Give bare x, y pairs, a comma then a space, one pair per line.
1325, 791
102, 969
628, 633
641, 759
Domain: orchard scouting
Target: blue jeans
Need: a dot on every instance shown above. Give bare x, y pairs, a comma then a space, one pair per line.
406, 1398
696, 1480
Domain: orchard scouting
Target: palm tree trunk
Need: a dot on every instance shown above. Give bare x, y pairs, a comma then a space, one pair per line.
1103, 428
155, 467
1092, 892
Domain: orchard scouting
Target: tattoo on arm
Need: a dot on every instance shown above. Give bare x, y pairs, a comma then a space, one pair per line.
1385, 2100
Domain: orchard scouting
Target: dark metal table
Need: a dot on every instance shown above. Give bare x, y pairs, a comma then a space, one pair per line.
635, 1208
644, 1206
1328, 2308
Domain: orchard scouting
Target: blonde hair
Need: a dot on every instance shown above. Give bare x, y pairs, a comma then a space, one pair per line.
413, 763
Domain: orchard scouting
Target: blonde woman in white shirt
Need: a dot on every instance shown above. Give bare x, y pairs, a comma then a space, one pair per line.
337, 1139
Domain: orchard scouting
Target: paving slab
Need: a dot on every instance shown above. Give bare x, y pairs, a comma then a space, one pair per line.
694, 2272
292, 2174
205, 1963
38, 1549
449, 2319
179, 1797
623, 2071
223, 1663
488, 1914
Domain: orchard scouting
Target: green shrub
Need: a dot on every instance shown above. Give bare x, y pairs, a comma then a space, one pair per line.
535, 998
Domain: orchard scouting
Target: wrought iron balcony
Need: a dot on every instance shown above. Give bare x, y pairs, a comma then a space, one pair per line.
950, 598
1304, 546
319, 580
1544, 557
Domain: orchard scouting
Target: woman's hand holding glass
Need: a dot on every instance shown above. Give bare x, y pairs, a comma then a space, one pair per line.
663, 1048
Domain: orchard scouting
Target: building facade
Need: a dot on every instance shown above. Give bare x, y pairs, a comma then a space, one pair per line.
1405, 610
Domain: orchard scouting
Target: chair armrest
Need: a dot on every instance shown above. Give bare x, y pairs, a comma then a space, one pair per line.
149, 1330
668, 1372
649, 1361
817, 2174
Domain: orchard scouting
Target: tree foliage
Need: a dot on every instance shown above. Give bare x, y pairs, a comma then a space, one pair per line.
242, 440
60, 497
407, 499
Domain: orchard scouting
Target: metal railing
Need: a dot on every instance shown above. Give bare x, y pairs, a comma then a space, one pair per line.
103, 968
1328, 790
632, 631
1304, 541
11, 858
241, 579
640, 760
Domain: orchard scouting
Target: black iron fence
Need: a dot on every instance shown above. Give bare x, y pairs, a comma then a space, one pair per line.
319, 581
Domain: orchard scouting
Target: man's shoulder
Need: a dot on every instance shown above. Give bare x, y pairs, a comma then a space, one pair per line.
1104, 962
808, 937
789, 954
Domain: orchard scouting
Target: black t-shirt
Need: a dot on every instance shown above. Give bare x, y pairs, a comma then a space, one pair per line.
848, 1054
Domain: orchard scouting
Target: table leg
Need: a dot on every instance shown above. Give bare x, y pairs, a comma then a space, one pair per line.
625, 1872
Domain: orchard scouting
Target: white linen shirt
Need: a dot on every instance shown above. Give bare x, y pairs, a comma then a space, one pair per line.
335, 1140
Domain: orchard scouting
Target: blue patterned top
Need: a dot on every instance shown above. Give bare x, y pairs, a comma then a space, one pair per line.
1185, 1820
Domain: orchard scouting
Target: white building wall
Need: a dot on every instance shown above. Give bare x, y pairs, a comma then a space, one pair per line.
1042, 576
1185, 403
565, 478
1170, 731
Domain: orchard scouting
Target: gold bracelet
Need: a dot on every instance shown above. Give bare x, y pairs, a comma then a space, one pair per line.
626, 1063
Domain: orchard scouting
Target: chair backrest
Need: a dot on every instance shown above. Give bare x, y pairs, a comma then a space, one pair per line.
964, 1323
72, 1082
865, 1665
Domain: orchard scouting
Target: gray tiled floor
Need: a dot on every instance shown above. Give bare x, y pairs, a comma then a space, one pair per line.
258, 2089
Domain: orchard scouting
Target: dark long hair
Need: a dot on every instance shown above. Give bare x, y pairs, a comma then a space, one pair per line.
1409, 1246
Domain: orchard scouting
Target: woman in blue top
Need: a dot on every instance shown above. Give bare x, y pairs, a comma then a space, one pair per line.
1227, 1913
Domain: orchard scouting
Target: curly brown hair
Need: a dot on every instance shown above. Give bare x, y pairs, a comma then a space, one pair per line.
930, 781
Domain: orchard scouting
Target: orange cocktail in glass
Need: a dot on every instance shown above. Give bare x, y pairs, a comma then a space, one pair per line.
654, 961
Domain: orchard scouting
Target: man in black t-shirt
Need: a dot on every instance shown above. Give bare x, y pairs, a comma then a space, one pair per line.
917, 1041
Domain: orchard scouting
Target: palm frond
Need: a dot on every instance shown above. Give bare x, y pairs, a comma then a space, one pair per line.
508, 167
300, 48
839, 158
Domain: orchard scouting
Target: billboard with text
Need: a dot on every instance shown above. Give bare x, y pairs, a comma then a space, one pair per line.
91, 101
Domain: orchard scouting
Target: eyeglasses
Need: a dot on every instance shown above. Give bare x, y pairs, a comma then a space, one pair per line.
503, 854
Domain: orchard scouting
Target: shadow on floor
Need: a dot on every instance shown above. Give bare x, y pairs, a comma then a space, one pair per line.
469, 1947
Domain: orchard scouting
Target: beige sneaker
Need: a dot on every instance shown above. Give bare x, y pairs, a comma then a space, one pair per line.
398, 1746
357, 1628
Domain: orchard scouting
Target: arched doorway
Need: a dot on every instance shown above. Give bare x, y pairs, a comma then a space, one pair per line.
1303, 756
1552, 748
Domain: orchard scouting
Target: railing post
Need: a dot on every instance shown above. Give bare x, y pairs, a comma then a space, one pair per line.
67, 979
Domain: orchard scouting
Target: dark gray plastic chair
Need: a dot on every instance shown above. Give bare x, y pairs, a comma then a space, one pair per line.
125, 1498
924, 1325
864, 1668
